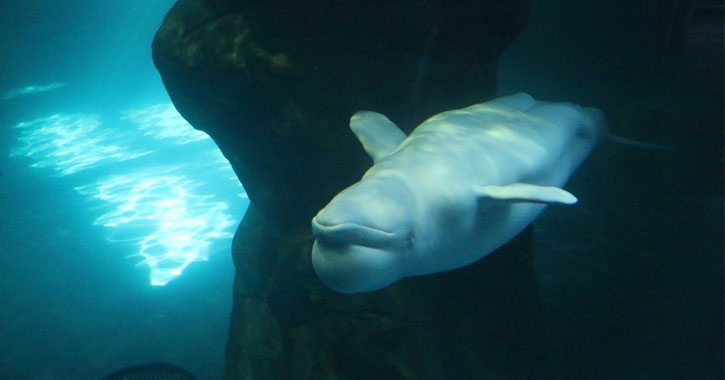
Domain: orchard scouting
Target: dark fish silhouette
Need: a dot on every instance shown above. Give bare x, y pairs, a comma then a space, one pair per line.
151, 371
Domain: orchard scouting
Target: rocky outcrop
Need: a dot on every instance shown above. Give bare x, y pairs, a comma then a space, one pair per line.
274, 83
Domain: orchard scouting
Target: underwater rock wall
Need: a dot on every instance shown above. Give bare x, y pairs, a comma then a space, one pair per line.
274, 84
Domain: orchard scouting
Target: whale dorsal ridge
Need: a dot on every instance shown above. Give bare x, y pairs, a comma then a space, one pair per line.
378, 135
520, 102
524, 192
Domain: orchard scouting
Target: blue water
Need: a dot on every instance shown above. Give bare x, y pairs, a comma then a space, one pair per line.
116, 216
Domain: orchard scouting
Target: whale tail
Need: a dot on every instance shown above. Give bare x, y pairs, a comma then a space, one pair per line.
619, 140
625, 141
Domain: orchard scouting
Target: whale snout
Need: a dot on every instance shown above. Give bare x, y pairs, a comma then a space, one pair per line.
354, 268
352, 234
371, 216
362, 237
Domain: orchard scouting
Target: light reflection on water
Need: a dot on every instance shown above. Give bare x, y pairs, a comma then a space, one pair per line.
72, 143
163, 122
33, 89
168, 218
174, 205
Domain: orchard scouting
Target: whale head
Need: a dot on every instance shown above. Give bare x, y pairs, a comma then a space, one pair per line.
363, 236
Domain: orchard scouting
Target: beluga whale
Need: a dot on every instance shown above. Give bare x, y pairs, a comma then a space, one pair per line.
462, 184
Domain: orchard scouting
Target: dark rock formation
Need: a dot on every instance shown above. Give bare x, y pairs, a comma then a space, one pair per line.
274, 83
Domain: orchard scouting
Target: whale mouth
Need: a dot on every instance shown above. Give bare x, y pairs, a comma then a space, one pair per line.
352, 234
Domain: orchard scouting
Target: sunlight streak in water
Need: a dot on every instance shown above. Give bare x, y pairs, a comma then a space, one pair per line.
33, 89
72, 143
175, 198
165, 216
163, 122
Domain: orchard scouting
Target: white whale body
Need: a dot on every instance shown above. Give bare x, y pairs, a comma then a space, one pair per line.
461, 185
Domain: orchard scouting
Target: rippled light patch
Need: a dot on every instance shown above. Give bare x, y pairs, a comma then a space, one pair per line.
175, 200
34, 89
69, 143
172, 223
163, 122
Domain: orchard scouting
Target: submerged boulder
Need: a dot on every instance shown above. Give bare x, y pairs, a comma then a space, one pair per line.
274, 84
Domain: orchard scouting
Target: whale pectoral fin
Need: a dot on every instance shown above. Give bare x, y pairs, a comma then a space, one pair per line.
378, 135
524, 192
